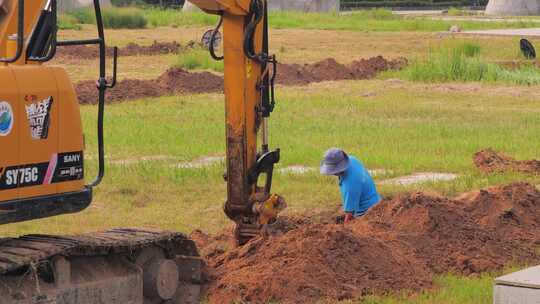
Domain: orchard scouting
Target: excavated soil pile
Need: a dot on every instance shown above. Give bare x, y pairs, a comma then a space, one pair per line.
132, 49
398, 245
173, 81
178, 81
329, 70
490, 161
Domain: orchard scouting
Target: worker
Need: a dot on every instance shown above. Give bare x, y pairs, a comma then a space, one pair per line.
355, 183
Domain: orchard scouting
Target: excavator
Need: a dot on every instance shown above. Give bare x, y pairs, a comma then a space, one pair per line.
42, 171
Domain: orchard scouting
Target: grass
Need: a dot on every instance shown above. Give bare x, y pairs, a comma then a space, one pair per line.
462, 62
198, 59
167, 17
366, 20
450, 289
379, 20
68, 22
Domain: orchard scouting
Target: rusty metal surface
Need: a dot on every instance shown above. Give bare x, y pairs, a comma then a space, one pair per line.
21, 252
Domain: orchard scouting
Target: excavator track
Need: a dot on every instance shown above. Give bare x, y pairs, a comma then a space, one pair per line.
116, 266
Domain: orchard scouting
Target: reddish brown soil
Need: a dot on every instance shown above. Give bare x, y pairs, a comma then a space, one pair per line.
178, 81
172, 82
132, 49
490, 161
398, 245
329, 69
181, 81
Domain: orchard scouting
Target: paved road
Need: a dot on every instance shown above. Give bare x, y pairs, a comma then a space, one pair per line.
528, 32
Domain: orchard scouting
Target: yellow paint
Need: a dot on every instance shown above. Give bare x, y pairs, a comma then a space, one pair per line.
249, 68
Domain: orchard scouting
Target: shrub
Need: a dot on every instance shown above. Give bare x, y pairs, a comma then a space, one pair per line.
83, 15
127, 2
129, 18
125, 17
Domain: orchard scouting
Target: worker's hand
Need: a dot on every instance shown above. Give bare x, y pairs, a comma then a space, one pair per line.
348, 217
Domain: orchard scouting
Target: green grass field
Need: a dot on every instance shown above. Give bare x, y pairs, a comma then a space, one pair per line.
402, 128
367, 20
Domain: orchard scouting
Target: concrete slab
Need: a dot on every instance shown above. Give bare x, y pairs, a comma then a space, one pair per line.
418, 178
522, 287
296, 169
503, 294
529, 277
202, 162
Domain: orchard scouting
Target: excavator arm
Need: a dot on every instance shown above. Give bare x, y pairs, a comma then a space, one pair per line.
249, 101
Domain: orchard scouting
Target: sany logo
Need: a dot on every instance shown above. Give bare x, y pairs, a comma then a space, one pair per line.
6, 118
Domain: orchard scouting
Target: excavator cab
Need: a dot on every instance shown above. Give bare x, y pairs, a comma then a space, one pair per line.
41, 135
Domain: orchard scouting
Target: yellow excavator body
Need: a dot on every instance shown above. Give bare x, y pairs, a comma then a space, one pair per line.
40, 126
42, 144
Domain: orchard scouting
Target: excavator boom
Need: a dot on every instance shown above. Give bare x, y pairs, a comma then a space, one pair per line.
249, 100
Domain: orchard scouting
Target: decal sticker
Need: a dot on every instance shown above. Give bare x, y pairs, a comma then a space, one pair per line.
62, 167
6, 118
38, 115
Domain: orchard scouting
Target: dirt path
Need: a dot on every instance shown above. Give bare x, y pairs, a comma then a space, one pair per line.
400, 244
528, 32
179, 81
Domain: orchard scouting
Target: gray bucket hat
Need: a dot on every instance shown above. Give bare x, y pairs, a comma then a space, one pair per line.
335, 161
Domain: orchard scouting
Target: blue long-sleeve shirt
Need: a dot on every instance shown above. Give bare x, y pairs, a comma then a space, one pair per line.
357, 188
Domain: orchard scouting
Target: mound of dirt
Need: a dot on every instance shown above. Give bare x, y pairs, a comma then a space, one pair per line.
179, 81
491, 161
173, 81
447, 235
397, 245
330, 70
124, 90
309, 263
506, 210
132, 49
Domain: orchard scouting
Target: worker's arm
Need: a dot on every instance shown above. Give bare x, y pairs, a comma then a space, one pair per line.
351, 199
